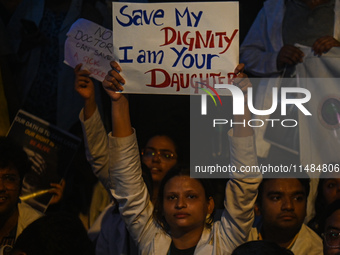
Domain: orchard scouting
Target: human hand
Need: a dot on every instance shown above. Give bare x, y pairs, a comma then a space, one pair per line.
113, 82
57, 191
83, 84
324, 44
241, 80
289, 55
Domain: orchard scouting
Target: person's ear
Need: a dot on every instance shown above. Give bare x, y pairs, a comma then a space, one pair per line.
211, 205
257, 210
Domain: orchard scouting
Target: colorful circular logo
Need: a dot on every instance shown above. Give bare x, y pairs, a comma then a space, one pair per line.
329, 112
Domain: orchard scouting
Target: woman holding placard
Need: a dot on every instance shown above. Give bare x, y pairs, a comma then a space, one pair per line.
181, 222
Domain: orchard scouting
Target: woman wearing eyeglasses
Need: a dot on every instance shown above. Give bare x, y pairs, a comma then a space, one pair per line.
159, 156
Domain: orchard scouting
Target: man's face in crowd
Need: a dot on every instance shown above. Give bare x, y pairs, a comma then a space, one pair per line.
284, 204
331, 239
9, 190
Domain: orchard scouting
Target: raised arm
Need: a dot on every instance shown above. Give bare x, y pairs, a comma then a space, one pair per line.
83, 84
241, 189
95, 136
113, 84
243, 83
127, 184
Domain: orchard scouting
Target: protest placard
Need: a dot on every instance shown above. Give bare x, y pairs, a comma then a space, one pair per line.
50, 151
90, 44
176, 48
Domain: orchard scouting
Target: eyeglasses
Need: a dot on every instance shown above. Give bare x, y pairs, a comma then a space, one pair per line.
162, 154
332, 238
10, 181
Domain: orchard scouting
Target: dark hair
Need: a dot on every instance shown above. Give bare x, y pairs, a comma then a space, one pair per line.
261, 247
55, 234
14, 157
179, 171
305, 182
330, 209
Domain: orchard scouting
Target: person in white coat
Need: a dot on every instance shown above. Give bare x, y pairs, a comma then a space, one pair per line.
187, 206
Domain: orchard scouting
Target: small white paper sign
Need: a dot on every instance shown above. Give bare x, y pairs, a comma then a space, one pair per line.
176, 48
90, 44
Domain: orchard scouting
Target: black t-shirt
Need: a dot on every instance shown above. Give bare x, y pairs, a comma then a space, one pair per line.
175, 251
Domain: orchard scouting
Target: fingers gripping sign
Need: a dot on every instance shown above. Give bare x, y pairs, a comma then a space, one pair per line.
83, 83
324, 44
113, 82
289, 55
241, 80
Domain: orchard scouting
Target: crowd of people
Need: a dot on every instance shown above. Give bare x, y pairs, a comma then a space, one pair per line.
129, 189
